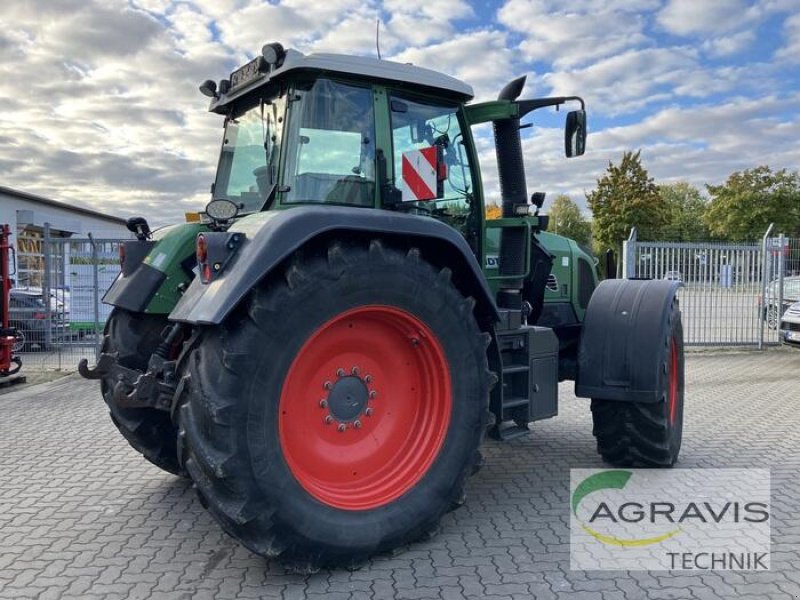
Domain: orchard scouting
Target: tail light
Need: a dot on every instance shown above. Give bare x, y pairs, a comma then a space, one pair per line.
39, 316
201, 252
122, 256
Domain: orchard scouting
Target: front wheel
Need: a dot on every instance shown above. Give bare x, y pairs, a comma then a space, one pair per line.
340, 412
647, 434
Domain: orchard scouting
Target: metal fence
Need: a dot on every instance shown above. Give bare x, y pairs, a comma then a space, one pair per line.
56, 300
730, 294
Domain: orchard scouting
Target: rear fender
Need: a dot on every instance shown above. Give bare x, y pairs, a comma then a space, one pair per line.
622, 345
271, 237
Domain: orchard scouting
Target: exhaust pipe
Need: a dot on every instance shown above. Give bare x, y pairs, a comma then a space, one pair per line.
513, 191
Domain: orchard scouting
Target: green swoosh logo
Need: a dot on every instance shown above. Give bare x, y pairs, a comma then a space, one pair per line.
605, 480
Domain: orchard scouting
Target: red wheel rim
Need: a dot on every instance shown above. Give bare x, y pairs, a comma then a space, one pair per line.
673, 382
365, 407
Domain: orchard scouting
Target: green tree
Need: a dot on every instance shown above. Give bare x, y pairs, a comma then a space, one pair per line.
566, 219
626, 197
743, 207
686, 208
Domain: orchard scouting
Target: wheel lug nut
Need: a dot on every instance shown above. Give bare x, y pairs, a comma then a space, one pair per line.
368, 379
323, 403
340, 372
354, 370
327, 385
357, 424
368, 412
328, 420
341, 427
372, 394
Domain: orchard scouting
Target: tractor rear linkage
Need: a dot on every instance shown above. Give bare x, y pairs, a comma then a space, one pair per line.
157, 388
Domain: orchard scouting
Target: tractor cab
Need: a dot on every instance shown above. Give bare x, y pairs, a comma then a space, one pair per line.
348, 131
359, 132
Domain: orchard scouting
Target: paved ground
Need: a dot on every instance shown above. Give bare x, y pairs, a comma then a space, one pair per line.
29, 378
82, 516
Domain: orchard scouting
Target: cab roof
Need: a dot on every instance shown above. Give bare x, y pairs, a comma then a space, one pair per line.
360, 67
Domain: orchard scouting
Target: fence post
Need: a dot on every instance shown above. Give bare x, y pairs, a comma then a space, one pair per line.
629, 255
95, 297
762, 315
781, 269
47, 249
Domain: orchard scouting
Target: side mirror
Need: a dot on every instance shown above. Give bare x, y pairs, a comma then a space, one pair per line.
575, 133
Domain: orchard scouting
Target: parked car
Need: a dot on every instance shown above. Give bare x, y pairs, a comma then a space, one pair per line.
772, 311
790, 325
28, 315
674, 276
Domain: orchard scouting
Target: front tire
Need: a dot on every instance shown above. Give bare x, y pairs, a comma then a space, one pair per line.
339, 413
149, 431
642, 433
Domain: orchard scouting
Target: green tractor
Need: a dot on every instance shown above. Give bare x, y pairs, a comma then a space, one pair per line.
323, 352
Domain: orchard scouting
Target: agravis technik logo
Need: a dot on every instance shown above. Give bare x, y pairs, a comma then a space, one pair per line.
670, 519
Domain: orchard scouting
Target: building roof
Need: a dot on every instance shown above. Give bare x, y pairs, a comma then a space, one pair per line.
359, 66
62, 205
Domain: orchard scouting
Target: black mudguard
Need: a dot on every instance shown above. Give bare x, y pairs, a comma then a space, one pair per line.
271, 237
137, 282
622, 345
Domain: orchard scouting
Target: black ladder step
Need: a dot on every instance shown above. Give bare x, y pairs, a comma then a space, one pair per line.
511, 369
514, 402
504, 433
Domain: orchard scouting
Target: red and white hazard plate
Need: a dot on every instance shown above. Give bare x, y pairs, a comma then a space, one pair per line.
420, 178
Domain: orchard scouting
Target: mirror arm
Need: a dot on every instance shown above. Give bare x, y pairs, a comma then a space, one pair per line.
526, 106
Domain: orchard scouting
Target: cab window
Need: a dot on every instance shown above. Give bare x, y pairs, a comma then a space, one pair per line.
417, 125
330, 145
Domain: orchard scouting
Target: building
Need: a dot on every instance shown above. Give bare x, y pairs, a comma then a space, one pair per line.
27, 214
70, 228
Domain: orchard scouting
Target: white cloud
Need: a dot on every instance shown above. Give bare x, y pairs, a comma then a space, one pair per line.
790, 52
575, 33
729, 44
690, 17
481, 58
101, 103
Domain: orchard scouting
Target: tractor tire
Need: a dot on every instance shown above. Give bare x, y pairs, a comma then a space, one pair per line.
149, 431
339, 411
646, 434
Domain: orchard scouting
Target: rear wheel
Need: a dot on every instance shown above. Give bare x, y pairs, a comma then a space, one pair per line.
647, 434
149, 431
340, 412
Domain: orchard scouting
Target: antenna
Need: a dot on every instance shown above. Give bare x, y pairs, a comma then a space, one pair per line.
378, 37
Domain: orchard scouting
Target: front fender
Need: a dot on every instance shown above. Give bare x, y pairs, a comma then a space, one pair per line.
270, 237
622, 344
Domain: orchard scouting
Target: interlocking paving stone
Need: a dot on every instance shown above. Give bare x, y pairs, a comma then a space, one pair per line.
83, 516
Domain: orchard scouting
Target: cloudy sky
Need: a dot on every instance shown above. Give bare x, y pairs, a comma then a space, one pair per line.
100, 104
